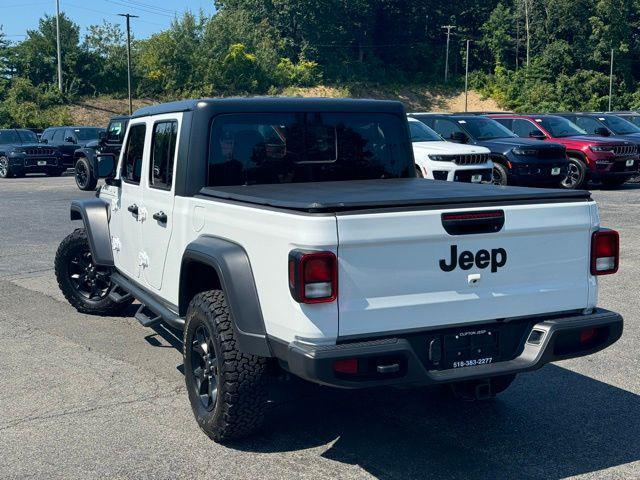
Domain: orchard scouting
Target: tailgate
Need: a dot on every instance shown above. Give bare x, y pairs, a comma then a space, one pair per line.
397, 273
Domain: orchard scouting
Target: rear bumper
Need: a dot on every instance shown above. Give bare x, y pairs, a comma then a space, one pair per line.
555, 341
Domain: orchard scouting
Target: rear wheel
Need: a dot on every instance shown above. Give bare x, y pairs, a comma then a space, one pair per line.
499, 174
226, 387
85, 285
576, 174
84, 178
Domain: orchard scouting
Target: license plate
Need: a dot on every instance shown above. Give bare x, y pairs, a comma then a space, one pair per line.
469, 348
476, 178
42, 163
555, 171
629, 163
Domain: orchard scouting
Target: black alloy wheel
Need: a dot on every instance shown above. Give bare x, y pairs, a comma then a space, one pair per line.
204, 368
90, 281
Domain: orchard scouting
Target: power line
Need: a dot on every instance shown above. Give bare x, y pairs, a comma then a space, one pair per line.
140, 9
153, 7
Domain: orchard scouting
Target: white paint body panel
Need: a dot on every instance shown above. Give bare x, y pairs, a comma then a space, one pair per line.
390, 278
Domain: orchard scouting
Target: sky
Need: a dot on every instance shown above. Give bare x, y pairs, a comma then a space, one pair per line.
16, 16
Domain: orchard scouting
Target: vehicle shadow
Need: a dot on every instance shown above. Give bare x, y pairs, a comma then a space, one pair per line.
551, 424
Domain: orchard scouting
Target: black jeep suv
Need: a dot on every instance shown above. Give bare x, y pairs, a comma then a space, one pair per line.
20, 153
85, 158
516, 161
69, 139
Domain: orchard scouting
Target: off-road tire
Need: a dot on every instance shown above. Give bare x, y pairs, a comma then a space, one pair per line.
85, 180
238, 410
576, 175
466, 390
500, 175
74, 243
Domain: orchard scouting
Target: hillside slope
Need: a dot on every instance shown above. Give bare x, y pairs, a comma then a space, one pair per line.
97, 110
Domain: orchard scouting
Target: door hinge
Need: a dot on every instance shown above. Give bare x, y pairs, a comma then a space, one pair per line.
115, 244
142, 214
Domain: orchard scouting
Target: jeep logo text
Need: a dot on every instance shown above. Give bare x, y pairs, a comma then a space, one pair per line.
496, 258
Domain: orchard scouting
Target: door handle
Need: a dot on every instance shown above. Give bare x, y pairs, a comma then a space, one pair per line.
160, 217
133, 209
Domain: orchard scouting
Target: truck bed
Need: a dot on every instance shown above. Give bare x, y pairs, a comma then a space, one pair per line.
325, 197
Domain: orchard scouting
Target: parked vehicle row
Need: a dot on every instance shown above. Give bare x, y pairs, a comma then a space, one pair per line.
550, 150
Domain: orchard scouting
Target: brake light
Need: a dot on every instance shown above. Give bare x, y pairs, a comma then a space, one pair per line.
313, 276
605, 252
346, 365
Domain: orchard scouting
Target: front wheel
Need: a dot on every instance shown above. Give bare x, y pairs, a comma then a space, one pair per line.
86, 286
226, 387
499, 174
84, 177
576, 174
5, 169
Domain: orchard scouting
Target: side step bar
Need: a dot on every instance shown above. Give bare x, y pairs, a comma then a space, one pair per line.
151, 312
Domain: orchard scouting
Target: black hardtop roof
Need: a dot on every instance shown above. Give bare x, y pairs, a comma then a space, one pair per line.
399, 192
275, 104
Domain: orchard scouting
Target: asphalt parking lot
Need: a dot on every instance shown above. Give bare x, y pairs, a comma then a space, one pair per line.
92, 397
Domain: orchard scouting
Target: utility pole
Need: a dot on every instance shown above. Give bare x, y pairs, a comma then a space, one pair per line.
526, 24
446, 62
466, 78
128, 17
58, 42
611, 80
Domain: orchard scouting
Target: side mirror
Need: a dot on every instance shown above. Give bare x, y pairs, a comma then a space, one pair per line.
459, 137
602, 131
537, 135
70, 140
106, 167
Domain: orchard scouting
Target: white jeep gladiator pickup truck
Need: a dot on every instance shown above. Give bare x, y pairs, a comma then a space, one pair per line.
292, 234
438, 159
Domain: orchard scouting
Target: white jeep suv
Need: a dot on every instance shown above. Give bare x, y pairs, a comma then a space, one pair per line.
438, 159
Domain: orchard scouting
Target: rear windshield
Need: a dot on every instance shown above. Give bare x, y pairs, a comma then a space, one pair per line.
252, 149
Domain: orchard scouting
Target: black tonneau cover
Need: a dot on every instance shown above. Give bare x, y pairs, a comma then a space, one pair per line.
375, 194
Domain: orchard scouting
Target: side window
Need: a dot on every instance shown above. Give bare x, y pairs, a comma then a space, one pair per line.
588, 124
132, 160
446, 128
58, 135
115, 131
163, 151
69, 136
523, 128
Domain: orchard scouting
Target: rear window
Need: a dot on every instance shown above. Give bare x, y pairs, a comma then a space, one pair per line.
307, 147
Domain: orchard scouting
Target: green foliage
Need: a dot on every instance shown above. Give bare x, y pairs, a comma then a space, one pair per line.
33, 106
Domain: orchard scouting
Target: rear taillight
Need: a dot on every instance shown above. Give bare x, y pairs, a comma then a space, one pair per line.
605, 252
313, 276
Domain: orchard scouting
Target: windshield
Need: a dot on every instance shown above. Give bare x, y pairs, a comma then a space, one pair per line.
485, 128
560, 127
635, 119
9, 136
421, 133
618, 125
27, 136
86, 133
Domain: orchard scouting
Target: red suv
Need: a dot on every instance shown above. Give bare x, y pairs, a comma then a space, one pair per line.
610, 161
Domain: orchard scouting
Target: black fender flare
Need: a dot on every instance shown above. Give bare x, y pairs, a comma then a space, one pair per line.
94, 213
231, 263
